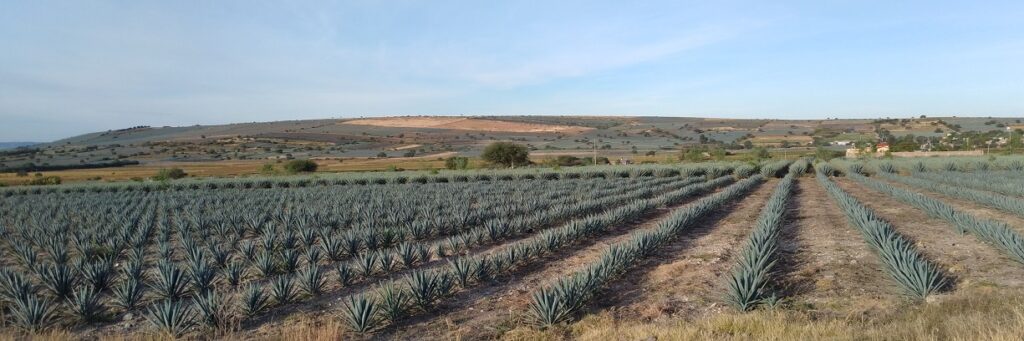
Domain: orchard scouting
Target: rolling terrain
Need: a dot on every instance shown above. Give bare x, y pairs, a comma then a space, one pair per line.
421, 142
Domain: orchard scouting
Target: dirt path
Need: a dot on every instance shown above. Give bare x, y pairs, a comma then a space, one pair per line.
485, 313
976, 209
685, 278
964, 257
826, 261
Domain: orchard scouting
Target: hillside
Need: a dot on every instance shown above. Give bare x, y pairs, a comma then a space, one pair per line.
432, 137
12, 145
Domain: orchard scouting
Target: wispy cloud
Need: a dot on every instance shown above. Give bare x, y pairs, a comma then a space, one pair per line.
582, 60
71, 67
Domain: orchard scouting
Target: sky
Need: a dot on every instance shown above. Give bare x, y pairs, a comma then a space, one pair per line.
72, 67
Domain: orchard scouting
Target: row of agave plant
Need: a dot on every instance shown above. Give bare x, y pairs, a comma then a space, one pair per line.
915, 274
562, 300
349, 179
105, 236
419, 291
750, 279
171, 283
96, 270
244, 212
991, 231
981, 181
1002, 202
1008, 164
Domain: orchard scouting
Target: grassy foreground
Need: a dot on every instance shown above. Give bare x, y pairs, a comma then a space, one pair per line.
974, 314
977, 313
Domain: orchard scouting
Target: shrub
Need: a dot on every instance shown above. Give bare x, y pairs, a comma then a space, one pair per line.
169, 174
457, 162
45, 180
300, 166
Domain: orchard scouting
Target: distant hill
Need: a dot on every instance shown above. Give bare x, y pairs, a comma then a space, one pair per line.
441, 136
12, 145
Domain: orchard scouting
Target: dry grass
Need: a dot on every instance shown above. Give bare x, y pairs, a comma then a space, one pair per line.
231, 168
975, 314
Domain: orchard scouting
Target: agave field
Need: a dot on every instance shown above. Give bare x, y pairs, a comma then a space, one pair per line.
398, 255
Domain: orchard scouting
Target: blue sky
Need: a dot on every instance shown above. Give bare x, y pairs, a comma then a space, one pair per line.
70, 67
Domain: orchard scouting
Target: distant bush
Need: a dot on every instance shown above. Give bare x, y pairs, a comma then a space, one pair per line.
565, 161
165, 174
300, 166
457, 162
267, 168
826, 155
44, 180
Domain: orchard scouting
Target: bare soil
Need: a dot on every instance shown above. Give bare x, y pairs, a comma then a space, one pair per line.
825, 260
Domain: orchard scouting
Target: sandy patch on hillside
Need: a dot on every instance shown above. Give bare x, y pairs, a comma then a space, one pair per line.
411, 146
458, 123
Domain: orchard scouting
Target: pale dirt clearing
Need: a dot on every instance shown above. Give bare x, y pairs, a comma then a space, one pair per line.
461, 123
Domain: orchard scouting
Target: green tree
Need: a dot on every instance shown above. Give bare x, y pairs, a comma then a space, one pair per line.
300, 166
506, 154
457, 162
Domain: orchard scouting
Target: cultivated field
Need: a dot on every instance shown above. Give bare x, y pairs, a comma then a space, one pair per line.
806, 249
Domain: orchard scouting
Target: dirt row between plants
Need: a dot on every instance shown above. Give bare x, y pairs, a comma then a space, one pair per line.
685, 278
490, 312
826, 266
966, 259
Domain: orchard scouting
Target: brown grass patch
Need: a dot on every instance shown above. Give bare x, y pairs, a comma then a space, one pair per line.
981, 314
